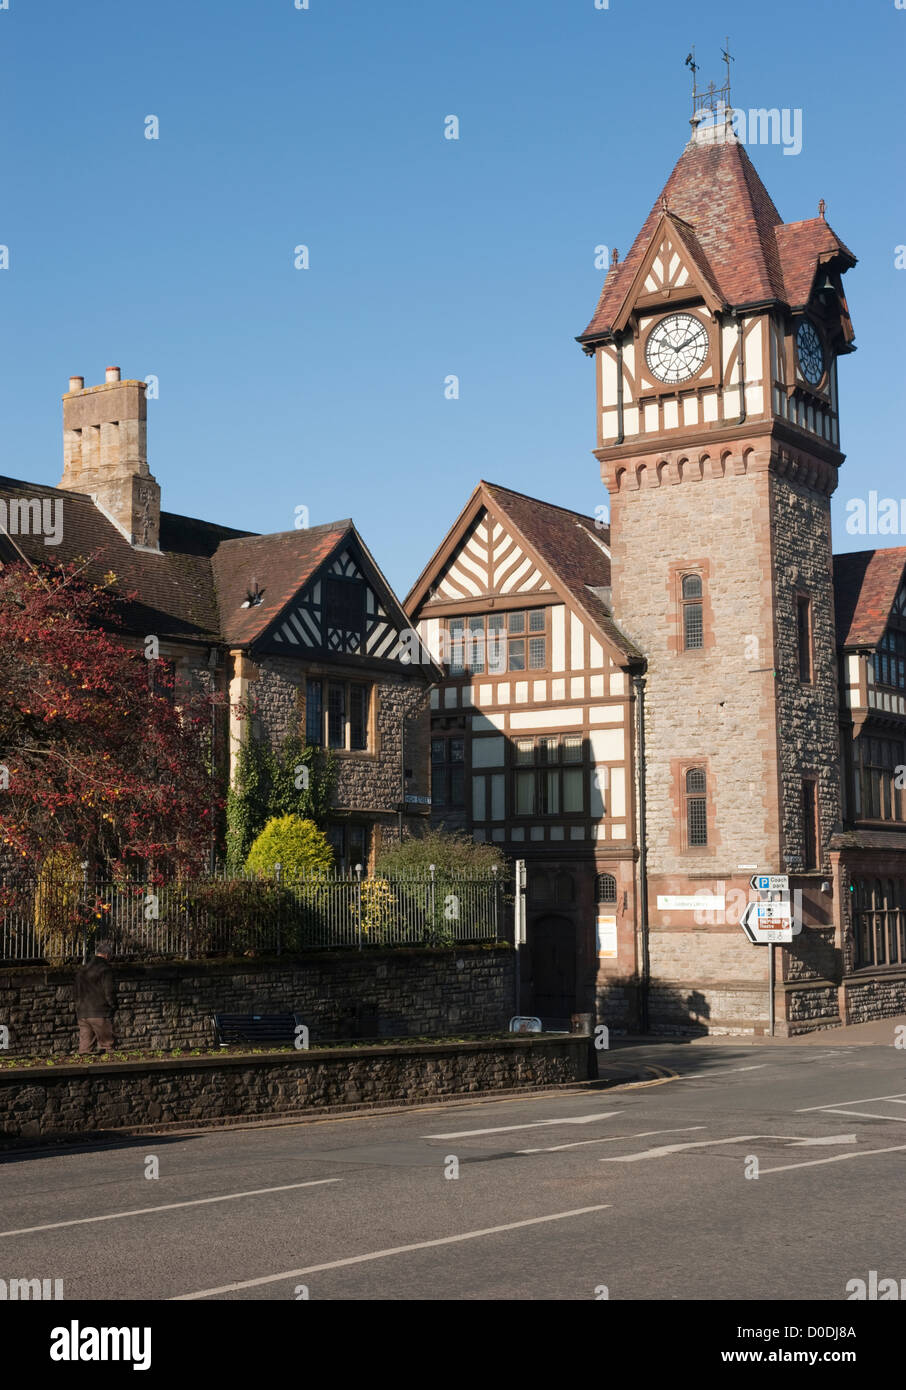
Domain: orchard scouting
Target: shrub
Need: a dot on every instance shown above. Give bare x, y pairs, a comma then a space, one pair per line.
453, 854
379, 909
297, 845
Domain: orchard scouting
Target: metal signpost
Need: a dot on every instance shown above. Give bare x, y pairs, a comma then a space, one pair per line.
769, 922
519, 927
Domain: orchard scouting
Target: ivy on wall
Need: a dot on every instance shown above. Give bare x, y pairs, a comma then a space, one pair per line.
293, 779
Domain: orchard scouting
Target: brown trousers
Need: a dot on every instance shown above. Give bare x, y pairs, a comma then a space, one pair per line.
95, 1030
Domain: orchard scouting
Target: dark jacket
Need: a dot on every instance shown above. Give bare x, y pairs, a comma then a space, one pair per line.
95, 992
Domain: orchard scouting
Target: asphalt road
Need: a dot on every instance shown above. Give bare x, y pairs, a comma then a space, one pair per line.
640, 1190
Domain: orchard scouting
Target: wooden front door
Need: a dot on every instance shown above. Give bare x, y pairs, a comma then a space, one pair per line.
552, 941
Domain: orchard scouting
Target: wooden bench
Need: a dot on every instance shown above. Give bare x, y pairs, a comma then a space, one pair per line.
262, 1029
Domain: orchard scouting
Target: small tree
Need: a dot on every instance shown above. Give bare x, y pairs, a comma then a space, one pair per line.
57, 895
100, 750
297, 845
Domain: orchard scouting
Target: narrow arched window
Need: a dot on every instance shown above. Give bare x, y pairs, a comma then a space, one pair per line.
693, 612
696, 789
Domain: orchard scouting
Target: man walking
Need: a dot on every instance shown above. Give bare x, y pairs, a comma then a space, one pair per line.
95, 1000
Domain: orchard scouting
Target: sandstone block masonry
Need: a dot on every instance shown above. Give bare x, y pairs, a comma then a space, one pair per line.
372, 994
369, 784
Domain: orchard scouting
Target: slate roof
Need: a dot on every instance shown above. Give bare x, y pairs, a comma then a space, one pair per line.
742, 244
865, 586
174, 589
193, 589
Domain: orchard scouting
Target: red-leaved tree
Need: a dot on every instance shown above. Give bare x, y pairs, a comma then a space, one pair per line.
98, 753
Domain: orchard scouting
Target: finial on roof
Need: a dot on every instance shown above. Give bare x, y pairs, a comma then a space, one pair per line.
821, 207
664, 207
614, 257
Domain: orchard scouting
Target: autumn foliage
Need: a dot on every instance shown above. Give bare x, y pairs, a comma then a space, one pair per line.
99, 753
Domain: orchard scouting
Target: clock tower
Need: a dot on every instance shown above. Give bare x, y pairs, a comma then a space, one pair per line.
716, 343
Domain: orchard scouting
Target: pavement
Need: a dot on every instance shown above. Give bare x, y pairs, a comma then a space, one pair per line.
730, 1171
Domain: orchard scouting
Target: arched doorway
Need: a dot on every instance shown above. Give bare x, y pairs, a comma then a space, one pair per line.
552, 941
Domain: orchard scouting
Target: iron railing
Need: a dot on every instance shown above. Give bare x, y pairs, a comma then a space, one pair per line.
223, 915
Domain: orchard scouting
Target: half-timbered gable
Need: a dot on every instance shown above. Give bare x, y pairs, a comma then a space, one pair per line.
343, 609
531, 728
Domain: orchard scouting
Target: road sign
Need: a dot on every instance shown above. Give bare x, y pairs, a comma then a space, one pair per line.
763, 927
418, 801
770, 883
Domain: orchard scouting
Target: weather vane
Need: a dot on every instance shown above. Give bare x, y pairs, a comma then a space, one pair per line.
713, 99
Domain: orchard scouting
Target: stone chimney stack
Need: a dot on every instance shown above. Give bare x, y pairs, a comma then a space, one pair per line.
105, 453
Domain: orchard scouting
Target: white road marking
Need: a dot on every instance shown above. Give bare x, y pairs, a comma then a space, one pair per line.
861, 1100
826, 1139
718, 1071
170, 1206
611, 1139
837, 1158
535, 1124
384, 1254
868, 1115
735, 1139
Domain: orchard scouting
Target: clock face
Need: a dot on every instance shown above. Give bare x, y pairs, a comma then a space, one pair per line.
811, 353
677, 348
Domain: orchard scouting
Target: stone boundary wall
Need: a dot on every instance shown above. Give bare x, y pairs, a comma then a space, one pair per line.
875, 995
354, 994
69, 1100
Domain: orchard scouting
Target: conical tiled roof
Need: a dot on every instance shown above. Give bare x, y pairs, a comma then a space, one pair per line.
750, 254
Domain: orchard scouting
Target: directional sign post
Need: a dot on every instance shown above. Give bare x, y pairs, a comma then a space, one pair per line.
770, 883
767, 924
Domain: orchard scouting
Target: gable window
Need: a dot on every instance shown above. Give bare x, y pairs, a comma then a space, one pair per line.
810, 847
344, 613
336, 715
448, 771
804, 637
695, 791
498, 642
693, 612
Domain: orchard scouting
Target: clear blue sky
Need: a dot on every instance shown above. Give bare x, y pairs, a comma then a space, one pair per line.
324, 126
